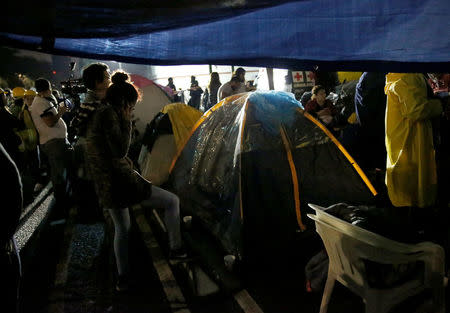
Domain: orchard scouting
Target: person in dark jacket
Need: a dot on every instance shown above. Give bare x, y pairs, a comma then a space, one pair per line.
12, 200
96, 78
117, 184
172, 86
370, 109
196, 93
8, 123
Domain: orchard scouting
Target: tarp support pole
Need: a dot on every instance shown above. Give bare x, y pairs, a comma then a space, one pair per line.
47, 43
270, 77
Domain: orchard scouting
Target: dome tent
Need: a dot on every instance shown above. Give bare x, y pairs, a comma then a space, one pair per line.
252, 164
164, 135
154, 98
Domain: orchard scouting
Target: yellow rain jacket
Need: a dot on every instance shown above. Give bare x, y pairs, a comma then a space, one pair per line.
29, 134
411, 168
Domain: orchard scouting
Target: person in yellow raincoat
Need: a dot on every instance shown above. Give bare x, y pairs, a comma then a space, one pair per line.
411, 168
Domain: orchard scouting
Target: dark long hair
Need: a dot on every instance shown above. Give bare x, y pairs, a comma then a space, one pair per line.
122, 91
214, 81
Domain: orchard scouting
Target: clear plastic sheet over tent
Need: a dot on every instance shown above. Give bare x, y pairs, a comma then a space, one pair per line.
253, 163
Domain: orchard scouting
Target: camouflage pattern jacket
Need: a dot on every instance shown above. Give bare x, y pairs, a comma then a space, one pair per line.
116, 182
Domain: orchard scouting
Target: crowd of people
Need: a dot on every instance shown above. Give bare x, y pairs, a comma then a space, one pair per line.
215, 91
36, 127
400, 130
401, 125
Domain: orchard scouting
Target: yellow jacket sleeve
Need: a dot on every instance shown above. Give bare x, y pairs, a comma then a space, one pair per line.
412, 95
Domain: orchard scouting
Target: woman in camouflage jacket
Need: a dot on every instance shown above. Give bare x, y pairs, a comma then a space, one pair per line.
117, 184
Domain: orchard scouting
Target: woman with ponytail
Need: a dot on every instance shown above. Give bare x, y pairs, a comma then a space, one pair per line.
117, 184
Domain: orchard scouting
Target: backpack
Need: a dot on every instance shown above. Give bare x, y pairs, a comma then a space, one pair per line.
316, 272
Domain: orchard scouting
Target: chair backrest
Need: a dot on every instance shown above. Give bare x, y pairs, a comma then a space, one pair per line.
366, 236
342, 250
348, 245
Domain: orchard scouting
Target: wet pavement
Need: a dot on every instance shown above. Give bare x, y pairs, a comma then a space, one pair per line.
73, 271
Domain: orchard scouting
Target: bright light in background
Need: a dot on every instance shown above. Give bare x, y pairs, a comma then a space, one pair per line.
181, 74
279, 81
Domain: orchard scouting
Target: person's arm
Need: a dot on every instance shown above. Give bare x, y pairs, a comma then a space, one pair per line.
310, 106
412, 94
220, 94
331, 107
51, 119
20, 116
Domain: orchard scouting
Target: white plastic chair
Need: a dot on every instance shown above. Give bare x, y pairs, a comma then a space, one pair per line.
347, 245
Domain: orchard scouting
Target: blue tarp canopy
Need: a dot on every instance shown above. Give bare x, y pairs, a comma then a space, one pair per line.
388, 35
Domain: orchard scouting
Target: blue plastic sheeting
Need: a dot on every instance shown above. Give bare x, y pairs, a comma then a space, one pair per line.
100, 18
273, 108
383, 35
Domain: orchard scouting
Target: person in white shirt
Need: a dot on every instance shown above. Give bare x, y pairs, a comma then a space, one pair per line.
234, 86
52, 130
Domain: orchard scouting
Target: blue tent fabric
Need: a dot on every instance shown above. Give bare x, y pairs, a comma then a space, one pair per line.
274, 108
384, 35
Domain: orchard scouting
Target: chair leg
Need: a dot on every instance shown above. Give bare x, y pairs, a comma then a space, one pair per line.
375, 304
372, 307
327, 293
439, 299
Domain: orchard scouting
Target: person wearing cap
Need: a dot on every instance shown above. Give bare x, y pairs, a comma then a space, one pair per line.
28, 97
30, 139
52, 130
16, 107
